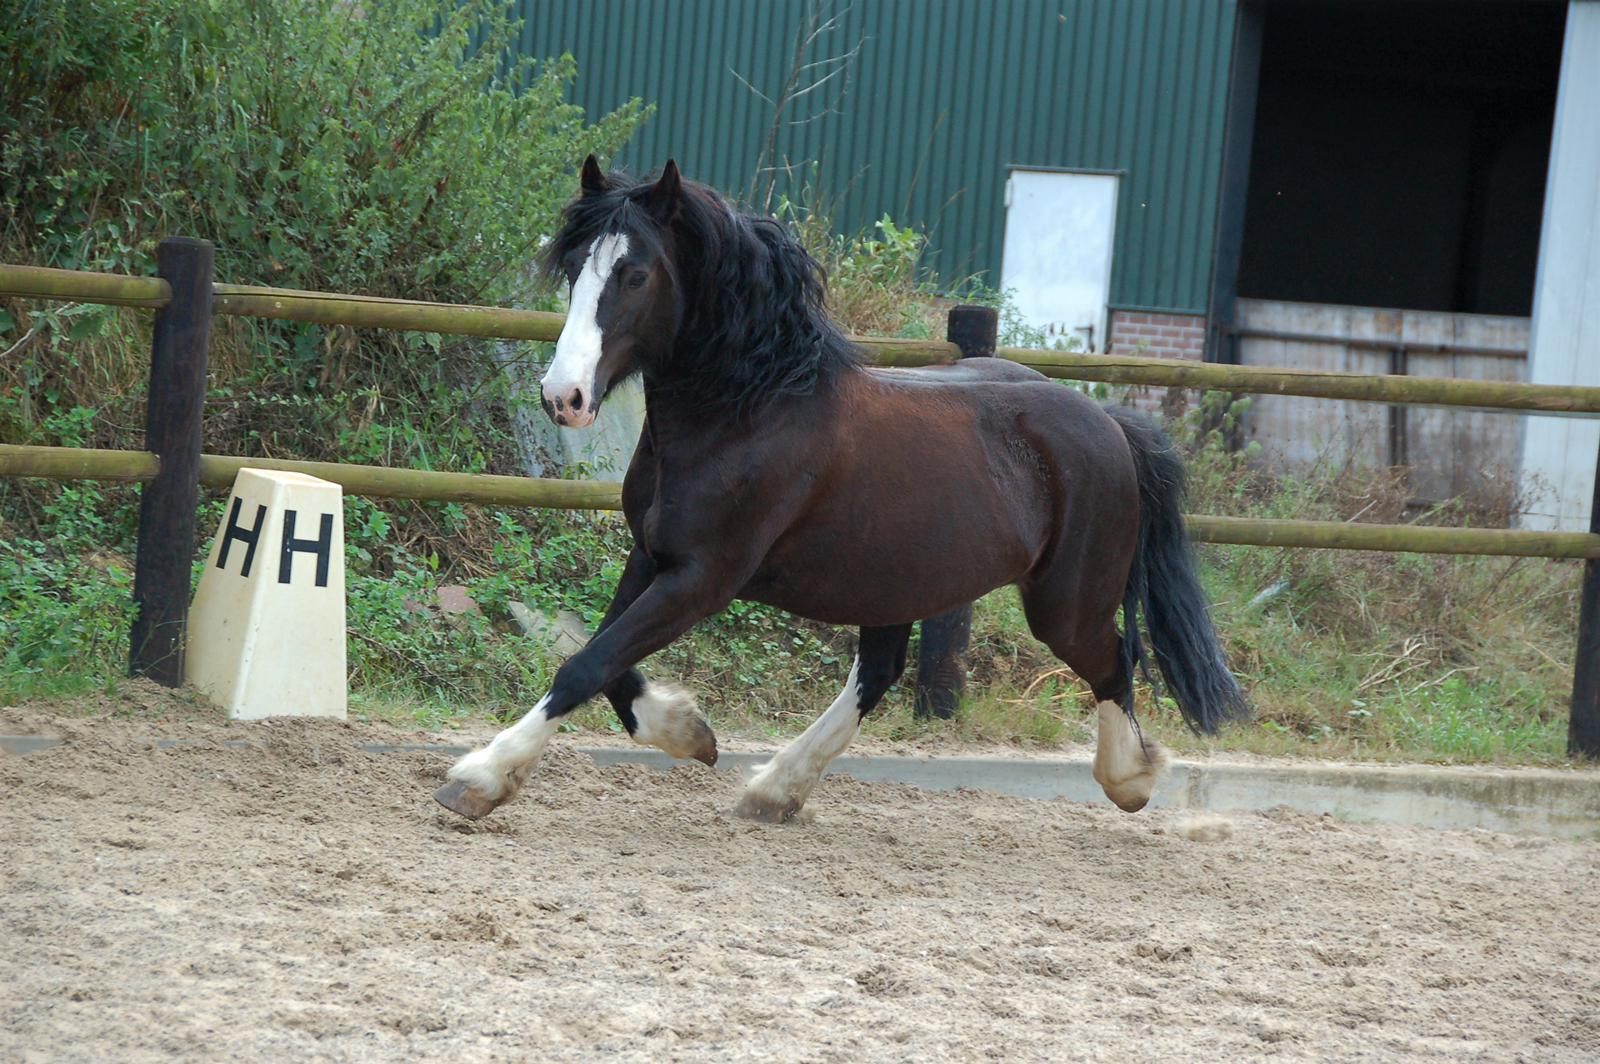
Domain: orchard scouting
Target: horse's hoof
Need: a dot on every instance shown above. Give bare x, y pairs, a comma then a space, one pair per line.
765, 810
1131, 805
1130, 796
463, 800
703, 747
668, 718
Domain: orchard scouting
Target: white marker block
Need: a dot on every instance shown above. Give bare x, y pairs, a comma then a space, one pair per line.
266, 631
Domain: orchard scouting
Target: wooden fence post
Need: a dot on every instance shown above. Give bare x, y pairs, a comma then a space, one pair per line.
1583, 726
167, 504
942, 659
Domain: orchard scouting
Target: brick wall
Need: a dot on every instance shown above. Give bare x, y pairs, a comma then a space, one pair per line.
1161, 335
1138, 332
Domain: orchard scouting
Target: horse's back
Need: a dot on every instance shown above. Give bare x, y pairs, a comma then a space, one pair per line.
1008, 398
945, 483
966, 371
1058, 469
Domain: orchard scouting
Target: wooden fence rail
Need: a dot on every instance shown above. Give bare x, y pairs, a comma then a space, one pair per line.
374, 312
508, 324
175, 394
1552, 399
374, 482
382, 482
111, 289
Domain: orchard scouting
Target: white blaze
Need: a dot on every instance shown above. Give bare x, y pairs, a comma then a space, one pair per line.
578, 347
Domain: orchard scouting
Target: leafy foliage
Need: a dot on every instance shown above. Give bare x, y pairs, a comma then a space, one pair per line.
374, 148
346, 147
385, 149
65, 611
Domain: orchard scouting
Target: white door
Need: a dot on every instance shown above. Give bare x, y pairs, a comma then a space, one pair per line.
1057, 255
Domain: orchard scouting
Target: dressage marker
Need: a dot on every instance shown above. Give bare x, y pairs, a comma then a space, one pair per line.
267, 633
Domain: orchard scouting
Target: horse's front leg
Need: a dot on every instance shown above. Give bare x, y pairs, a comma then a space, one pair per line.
672, 604
655, 714
781, 786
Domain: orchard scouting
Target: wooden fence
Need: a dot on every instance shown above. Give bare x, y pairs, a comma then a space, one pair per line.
185, 296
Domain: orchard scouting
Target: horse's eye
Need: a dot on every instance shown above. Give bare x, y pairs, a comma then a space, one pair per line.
636, 279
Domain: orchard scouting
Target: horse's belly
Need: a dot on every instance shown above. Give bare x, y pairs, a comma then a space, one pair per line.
931, 496
863, 579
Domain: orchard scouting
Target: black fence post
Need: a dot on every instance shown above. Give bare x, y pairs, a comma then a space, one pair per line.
942, 659
1583, 726
167, 504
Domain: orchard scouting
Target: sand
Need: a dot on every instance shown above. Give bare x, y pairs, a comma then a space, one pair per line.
301, 899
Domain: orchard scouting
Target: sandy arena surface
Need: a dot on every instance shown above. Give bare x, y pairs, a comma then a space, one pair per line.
305, 900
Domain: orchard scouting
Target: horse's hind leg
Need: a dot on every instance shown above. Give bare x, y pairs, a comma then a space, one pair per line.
1083, 634
1126, 764
780, 787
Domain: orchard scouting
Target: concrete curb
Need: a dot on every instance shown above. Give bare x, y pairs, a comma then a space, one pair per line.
1522, 801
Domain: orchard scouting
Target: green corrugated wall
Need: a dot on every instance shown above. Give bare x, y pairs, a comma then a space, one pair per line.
944, 96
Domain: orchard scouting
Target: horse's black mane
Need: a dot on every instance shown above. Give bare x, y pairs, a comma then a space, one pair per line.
755, 325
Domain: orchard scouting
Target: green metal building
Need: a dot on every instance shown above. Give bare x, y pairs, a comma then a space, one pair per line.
1401, 186
941, 100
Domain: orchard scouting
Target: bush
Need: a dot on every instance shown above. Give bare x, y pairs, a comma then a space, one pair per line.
375, 148
383, 149
877, 285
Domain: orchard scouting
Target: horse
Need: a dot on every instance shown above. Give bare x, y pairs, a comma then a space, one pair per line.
774, 466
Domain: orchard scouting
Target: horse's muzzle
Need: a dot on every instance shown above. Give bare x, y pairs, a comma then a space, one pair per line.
571, 411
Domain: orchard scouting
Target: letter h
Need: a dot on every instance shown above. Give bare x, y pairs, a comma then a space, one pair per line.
322, 547
248, 537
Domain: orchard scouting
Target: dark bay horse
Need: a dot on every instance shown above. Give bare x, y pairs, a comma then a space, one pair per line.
774, 467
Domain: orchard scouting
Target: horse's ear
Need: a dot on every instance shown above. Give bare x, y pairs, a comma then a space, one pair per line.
594, 179
663, 195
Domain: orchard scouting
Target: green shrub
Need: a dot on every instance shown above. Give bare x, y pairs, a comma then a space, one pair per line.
332, 145
384, 149
374, 148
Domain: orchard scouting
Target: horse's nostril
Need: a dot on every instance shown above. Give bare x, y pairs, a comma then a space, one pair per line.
577, 398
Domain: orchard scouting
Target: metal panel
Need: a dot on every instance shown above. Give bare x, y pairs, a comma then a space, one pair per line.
1060, 232
1461, 452
1448, 453
945, 95
1297, 433
1557, 458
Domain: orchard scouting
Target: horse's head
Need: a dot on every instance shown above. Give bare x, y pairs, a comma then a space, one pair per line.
720, 310
624, 310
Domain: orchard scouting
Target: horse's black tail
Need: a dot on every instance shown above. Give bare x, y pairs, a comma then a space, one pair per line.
1163, 584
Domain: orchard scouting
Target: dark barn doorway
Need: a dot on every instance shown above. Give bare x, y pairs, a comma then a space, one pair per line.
1382, 197
1399, 153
